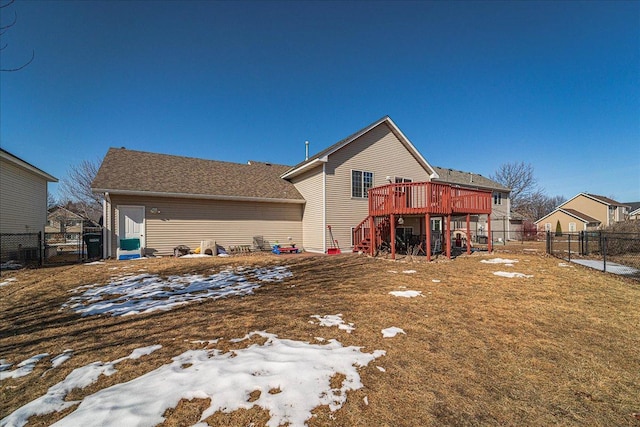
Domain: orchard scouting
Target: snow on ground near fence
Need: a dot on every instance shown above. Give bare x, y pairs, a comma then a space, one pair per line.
292, 377
8, 281
145, 293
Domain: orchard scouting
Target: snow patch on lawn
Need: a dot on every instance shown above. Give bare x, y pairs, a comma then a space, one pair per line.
145, 293
54, 399
409, 271
392, 332
292, 378
406, 294
512, 275
23, 368
8, 281
499, 261
334, 320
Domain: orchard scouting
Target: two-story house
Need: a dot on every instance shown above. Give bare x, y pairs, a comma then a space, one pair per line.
165, 200
583, 212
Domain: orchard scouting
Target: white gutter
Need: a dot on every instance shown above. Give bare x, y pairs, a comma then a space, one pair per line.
313, 163
196, 196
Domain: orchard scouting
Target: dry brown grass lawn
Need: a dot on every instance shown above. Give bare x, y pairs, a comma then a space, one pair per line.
559, 348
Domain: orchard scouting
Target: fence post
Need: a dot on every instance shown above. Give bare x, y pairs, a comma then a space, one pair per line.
604, 254
40, 249
569, 244
548, 243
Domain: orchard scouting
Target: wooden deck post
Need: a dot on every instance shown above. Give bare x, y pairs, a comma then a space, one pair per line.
428, 238
490, 239
468, 234
392, 220
373, 236
448, 227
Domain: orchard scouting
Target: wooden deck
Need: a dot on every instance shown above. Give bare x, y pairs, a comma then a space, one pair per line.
389, 201
415, 198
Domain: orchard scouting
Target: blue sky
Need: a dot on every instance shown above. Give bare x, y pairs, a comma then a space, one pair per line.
472, 84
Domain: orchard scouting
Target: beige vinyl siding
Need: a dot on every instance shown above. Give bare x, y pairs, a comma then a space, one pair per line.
378, 151
23, 200
589, 207
189, 221
310, 186
564, 222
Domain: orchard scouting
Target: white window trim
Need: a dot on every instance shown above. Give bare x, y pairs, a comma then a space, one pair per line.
366, 194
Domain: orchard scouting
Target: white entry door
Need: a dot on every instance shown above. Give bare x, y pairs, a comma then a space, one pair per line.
132, 223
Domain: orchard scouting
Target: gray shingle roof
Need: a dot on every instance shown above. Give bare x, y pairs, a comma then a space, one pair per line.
606, 200
468, 179
578, 214
133, 171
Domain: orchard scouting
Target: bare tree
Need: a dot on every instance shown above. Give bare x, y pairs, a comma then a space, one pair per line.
6, 27
76, 187
538, 204
520, 179
51, 201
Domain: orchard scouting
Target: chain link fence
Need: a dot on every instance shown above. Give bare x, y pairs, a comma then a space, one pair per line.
19, 250
617, 253
68, 248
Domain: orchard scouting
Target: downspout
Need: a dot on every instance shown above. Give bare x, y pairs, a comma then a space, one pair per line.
324, 208
106, 227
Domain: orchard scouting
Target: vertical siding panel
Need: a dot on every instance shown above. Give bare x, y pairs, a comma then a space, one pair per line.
309, 185
378, 151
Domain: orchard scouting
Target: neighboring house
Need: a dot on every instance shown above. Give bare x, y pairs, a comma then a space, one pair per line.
583, 212
633, 210
168, 200
23, 209
23, 195
505, 224
65, 226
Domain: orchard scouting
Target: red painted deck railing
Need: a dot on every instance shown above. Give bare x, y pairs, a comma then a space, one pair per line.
427, 197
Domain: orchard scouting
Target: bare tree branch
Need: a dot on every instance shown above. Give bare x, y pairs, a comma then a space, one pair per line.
3, 30
76, 187
33, 55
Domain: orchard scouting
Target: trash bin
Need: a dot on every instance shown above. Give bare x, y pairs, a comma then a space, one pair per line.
94, 245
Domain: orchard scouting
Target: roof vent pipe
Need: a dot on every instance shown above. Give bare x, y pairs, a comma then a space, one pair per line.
306, 150
471, 176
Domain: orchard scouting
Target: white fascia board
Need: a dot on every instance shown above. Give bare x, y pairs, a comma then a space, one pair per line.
549, 214
313, 163
24, 165
196, 196
564, 212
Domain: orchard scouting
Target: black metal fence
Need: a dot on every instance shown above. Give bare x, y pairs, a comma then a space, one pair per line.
617, 253
19, 250
65, 249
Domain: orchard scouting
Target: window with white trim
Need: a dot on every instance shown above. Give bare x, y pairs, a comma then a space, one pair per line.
361, 182
547, 226
572, 227
497, 198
